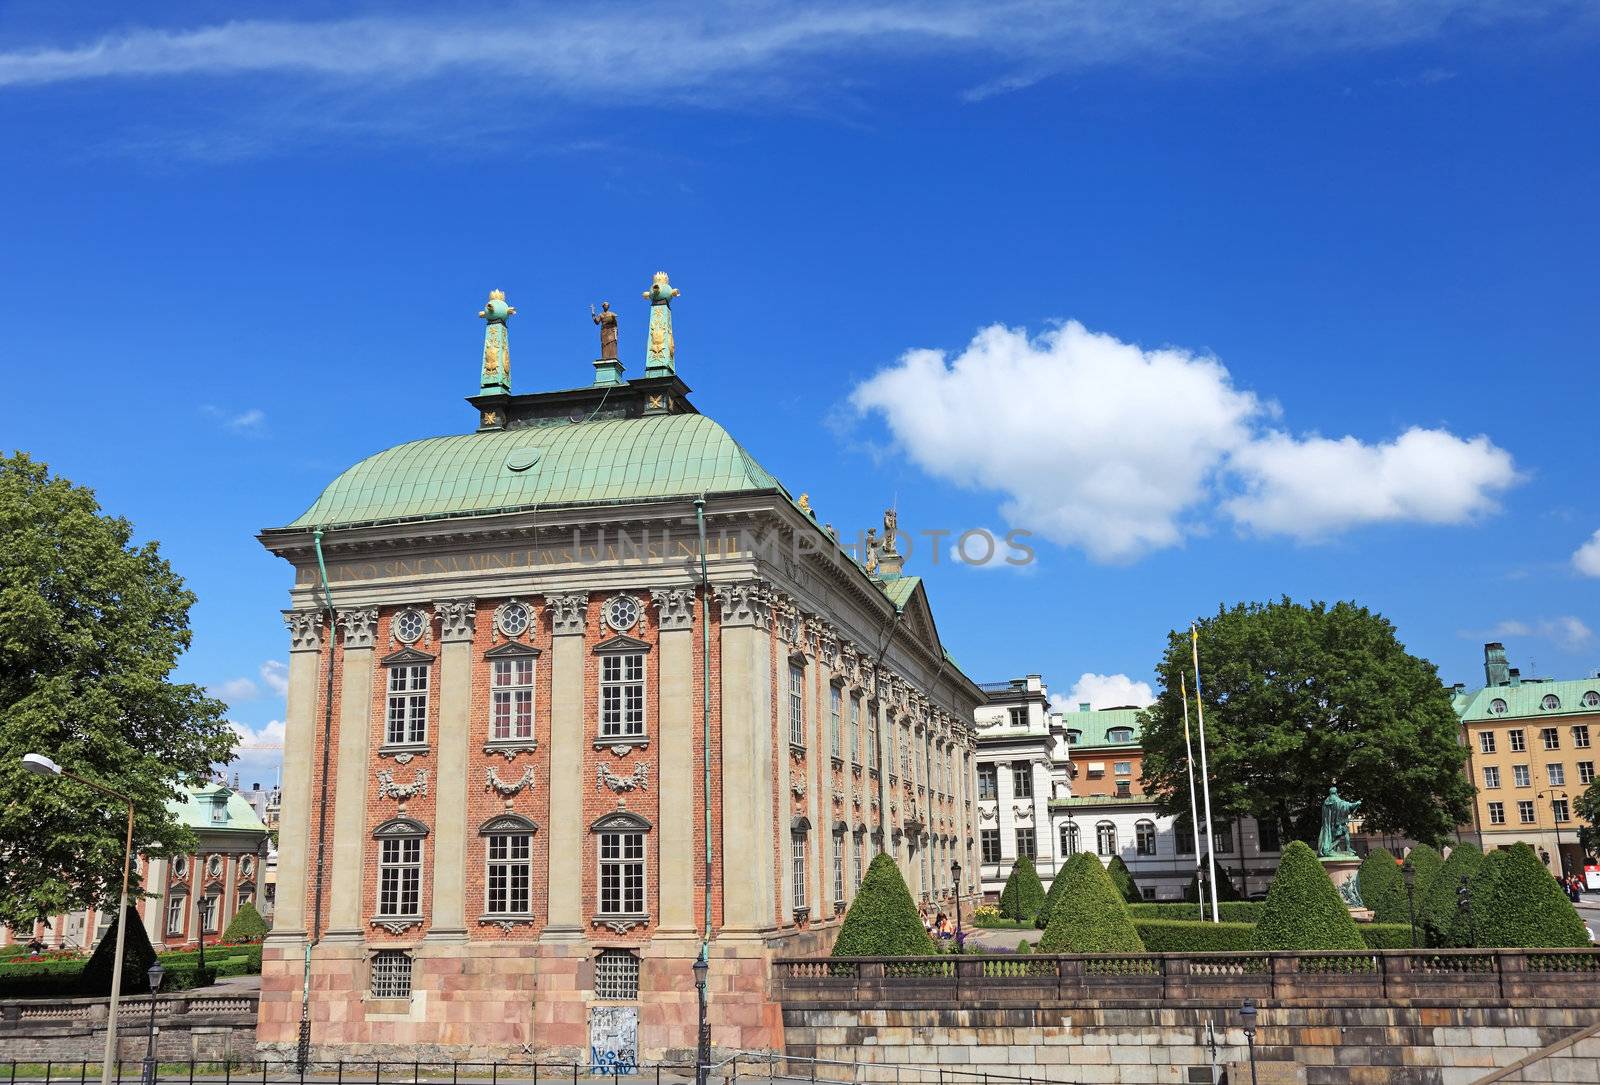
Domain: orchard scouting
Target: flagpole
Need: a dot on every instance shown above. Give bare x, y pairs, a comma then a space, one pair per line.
1205, 772
1194, 812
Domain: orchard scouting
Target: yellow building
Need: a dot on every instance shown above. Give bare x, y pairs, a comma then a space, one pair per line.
1531, 753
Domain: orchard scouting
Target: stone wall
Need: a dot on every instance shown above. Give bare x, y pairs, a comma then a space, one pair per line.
70, 1030
1572, 1061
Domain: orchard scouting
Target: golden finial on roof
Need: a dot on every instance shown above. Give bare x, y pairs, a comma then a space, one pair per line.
805, 504
496, 307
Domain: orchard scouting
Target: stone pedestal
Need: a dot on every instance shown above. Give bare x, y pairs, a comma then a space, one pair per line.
1342, 869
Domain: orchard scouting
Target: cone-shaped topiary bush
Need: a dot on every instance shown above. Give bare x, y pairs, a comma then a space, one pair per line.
246, 925
1048, 909
883, 920
1303, 909
1439, 913
1427, 863
1226, 890
1023, 894
1090, 916
1382, 887
1520, 905
95, 979
1122, 878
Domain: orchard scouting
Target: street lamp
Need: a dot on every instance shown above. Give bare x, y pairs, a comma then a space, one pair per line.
1561, 854
1410, 873
40, 765
148, 1077
702, 1056
1247, 1018
955, 874
1464, 901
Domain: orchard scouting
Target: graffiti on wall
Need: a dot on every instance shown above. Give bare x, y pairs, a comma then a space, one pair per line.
614, 1040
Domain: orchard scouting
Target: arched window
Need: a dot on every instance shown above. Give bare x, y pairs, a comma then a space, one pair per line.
1069, 838
1550, 702
1119, 735
508, 871
1105, 836
1144, 837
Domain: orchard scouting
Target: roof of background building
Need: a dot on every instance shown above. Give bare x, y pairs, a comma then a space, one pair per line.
196, 810
599, 462
1079, 801
1524, 700
1094, 726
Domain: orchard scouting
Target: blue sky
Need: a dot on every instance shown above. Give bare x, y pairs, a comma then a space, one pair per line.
1221, 301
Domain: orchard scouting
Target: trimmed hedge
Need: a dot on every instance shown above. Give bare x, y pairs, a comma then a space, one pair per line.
883, 920
1122, 878
1304, 910
1090, 915
1387, 935
246, 925
1233, 911
1023, 896
1046, 910
1382, 887
1192, 936
1439, 913
1521, 905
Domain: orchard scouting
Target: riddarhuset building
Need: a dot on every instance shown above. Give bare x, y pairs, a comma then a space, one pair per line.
571, 693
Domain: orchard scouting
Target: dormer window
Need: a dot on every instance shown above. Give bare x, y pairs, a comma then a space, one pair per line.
1119, 735
1497, 707
1550, 702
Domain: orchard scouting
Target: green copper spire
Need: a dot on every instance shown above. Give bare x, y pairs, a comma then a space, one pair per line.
661, 353
496, 351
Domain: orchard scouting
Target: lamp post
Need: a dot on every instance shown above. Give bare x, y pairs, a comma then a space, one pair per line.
955, 873
1247, 1018
702, 1055
1464, 900
148, 1077
40, 765
1561, 854
1409, 872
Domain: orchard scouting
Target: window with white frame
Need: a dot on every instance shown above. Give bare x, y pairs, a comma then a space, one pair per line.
208, 913
1557, 775
621, 847
508, 882
1069, 838
1518, 739
511, 699
1580, 736
835, 739
855, 730
1585, 772
1525, 811
1497, 813
1558, 807
400, 867
797, 705
622, 695
1491, 776
988, 782
989, 841
1105, 838
391, 974
1551, 737
1026, 845
616, 975
407, 705
905, 754
860, 855
1022, 779
1486, 742
872, 736
177, 908
1521, 775
797, 861
838, 870
1144, 838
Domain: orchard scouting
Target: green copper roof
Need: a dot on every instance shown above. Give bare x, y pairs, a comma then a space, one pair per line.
1527, 700
900, 588
612, 460
1095, 725
198, 809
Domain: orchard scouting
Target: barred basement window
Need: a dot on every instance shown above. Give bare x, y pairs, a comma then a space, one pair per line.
622, 695
616, 975
391, 974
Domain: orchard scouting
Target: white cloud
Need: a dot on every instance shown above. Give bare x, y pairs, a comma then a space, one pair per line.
1119, 450
1586, 559
1103, 691
236, 689
1313, 487
268, 734
1566, 631
249, 423
275, 673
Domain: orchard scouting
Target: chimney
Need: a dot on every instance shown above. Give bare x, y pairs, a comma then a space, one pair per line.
1516, 676
1495, 672
1083, 706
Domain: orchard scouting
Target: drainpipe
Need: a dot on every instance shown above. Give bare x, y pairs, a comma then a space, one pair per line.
703, 1041
303, 1055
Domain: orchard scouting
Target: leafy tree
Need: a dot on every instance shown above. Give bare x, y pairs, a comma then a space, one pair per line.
1588, 807
246, 925
137, 957
1122, 878
1439, 911
1382, 888
1299, 697
1304, 910
1090, 916
1023, 894
1521, 905
1042, 920
91, 626
883, 920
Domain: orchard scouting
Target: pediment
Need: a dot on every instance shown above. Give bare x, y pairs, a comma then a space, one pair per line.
512, 650
508, 823
620, 821
622, 643
400, 827
406, 655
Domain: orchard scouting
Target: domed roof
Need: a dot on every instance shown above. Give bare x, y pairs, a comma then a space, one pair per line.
604, 461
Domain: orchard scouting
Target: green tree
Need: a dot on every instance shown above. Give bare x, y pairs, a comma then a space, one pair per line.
1587, 806
246, 925
1090, 916
1122, 878
1303, 909
1439, 911
1023, 894
1382, 888
1521, 906
1301, 696
883, 920
91, 627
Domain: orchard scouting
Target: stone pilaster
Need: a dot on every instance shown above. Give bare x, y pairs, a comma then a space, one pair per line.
818, 801
350, 862
457, 618
565, 837
299, 740
155, 905
680, 867
747, 819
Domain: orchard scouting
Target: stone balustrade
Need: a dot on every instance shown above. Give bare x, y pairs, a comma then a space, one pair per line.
188, 1026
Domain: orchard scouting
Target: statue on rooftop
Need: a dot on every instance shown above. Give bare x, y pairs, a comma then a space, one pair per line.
661, 353
891, 522
607, 322
1334, 840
